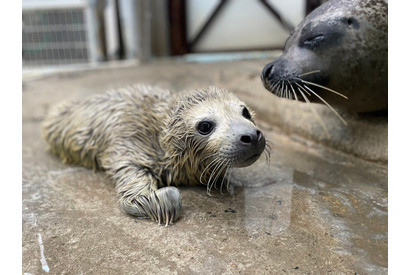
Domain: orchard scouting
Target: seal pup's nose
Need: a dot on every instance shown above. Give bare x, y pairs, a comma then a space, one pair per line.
252, 137
254, 141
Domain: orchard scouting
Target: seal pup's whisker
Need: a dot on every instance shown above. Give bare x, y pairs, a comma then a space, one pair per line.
328, 105
207, 157
228, 181
323, 87
267, 151
207, 171
219, 170
215, 175
313, 110
208, 168
226, 168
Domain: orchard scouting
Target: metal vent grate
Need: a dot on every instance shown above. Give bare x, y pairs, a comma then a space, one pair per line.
54, 37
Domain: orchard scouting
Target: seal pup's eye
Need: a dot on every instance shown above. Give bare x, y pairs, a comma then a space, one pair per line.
245, 113
205, 127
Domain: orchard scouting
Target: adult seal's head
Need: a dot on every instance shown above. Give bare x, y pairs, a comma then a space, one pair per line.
338, 56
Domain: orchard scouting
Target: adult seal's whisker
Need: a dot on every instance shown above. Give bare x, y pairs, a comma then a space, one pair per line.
297, 84
293, 90
287, 91
276, 85
308, 73
324, 87
328, 105
313, 110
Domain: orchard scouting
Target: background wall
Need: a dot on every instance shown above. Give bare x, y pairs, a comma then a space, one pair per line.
143, 29
242, 24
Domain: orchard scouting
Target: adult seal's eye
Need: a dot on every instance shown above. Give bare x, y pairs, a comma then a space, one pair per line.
245, 113
314, 41
205, 127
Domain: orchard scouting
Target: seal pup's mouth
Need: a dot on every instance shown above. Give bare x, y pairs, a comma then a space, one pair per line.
249, 149
249, 161
244, 154
252, 158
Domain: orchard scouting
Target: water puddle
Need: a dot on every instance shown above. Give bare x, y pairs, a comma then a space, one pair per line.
343, 196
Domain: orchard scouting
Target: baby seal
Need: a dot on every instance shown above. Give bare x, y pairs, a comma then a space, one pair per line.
337, 56
146, 140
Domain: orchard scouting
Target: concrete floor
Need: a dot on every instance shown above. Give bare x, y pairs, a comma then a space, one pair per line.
313, 209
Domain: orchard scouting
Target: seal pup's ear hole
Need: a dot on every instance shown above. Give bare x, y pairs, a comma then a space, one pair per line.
205, 127
246, 114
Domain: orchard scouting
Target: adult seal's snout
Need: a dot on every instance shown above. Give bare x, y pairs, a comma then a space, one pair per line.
342, 46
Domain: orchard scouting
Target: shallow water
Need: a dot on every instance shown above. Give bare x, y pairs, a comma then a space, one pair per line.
347, 196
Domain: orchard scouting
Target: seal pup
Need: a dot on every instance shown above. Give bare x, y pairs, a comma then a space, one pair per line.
146, 140
337, 56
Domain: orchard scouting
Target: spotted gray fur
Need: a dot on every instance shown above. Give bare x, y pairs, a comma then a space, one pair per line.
337, 56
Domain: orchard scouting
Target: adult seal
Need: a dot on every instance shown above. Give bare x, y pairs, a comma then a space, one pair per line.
146, 140
337, 56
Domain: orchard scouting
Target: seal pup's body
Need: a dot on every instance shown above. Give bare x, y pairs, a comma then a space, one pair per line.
147, 139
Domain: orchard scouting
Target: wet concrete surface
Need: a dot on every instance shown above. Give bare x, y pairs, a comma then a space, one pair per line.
311, 209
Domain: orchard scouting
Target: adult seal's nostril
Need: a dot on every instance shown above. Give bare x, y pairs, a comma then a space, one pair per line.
267, 71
